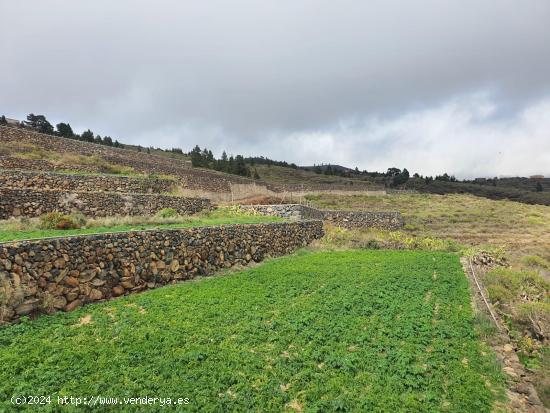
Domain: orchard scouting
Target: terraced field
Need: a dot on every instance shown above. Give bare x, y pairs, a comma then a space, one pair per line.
520, 229
381, 331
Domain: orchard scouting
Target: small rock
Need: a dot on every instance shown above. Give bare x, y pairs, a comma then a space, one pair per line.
510, 371
59, 302
24, 309
174, 265
72, 282
95, 295
508, 348
73, 305
522, 388
118, 290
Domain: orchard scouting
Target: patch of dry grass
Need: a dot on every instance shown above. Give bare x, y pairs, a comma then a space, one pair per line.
520, 229
24, 150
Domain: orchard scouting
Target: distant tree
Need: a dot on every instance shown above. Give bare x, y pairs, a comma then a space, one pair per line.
107, 140
393, 172
416, 175
3, 120
87, 136
240, 166
317, 169
117, 144
401, 178
139, 148
39, 123
539, 187
98, 140
196, 157
64, 130
256, 175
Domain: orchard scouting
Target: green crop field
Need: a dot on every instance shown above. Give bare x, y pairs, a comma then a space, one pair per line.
381, 331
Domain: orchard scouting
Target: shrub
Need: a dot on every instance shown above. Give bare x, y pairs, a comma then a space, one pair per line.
372, 244
508, 286
535, 261
57, 220
167, 213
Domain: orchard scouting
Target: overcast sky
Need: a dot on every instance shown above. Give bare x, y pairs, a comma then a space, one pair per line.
458, 86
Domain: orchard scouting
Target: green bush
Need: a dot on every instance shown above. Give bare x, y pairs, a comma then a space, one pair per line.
57, 220
372, 244
167, 213
509, 286
535, 261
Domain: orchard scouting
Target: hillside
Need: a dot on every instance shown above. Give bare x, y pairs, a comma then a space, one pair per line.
28, 150
297, 177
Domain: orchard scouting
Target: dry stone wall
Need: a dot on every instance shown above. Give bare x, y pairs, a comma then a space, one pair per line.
33, 203
365, 219
141, 162
48, 275
83, 183
348, 219
290, 211
11, 162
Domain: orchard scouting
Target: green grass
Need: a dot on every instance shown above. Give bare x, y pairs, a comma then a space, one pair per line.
382, 331
14, 235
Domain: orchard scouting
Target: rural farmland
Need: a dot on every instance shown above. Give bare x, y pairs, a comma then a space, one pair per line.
285, 206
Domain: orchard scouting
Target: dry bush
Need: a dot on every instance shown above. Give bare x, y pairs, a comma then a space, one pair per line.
57, 220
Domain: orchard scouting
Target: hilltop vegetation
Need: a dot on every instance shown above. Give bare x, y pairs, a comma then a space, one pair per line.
260, 168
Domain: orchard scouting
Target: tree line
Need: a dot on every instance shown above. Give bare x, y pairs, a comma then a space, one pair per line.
40, 124
236, 165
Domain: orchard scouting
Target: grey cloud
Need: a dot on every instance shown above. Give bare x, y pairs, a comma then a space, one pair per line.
248, 76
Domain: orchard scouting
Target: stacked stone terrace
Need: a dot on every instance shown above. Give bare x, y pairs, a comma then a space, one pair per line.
31, 194
141, 162
385, 220
45, 276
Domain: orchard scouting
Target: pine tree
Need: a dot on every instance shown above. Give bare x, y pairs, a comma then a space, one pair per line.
64, 130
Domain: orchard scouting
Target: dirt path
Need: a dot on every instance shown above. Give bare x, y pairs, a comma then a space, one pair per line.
521, 394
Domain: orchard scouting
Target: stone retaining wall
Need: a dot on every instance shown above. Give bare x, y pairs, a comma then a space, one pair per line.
365, 219
348, 219
290, 211
48, 275
83, 183
141, 162
11, 162
33, 203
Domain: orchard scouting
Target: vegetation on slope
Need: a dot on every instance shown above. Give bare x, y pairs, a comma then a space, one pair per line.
19, 229
463, 219
350, 331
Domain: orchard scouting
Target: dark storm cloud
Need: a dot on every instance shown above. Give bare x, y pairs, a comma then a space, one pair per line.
372, 84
